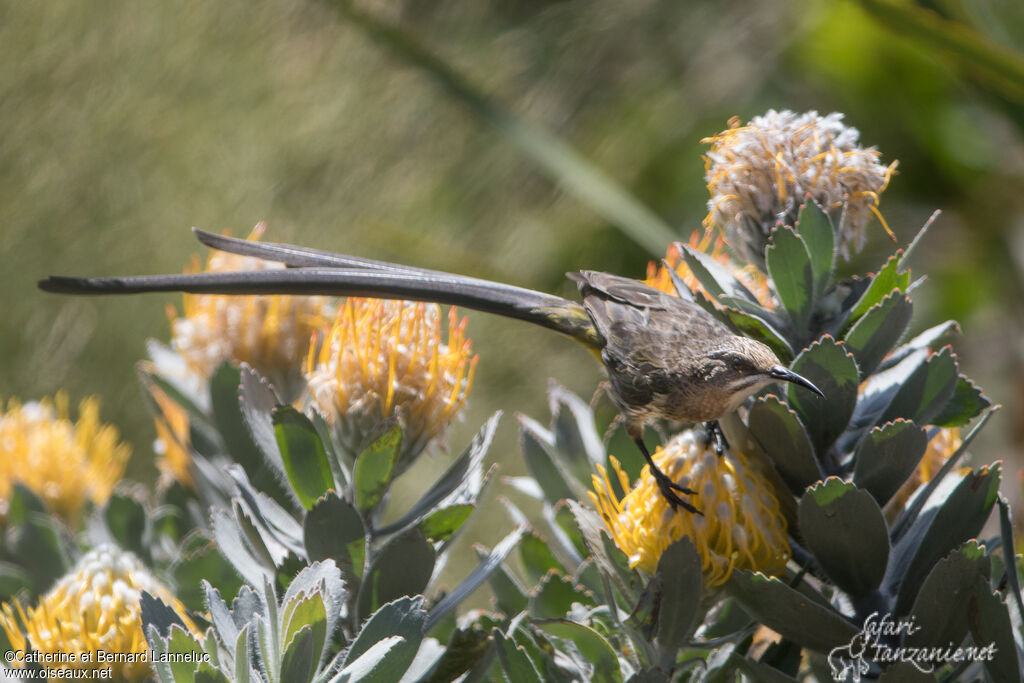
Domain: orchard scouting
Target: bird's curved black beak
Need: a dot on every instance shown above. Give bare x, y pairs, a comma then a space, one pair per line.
786, 375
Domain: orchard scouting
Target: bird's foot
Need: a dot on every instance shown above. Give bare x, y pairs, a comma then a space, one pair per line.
715, 437
668, 489
666, 486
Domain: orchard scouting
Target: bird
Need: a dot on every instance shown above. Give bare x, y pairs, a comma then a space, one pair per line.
665, 356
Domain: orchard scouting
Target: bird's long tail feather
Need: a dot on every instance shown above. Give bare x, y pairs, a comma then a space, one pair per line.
312, 272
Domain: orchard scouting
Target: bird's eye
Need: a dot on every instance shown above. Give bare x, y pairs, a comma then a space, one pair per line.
736, 361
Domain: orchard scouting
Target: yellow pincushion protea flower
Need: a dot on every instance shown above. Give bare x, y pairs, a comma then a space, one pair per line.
751, 278
270, 333
742, 526
65, 463
172, 439
384, 359
94, 609
759, 174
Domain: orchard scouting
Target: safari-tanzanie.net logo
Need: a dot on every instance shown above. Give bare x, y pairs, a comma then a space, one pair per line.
881, 642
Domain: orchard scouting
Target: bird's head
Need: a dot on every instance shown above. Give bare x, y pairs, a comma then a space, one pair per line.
740, 366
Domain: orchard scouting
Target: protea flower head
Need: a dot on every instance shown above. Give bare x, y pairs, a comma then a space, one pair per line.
270, 333
742, 526
66, 463
760, 173
95, 608
384, 360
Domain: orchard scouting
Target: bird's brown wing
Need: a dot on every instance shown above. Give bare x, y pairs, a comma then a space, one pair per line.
615, 301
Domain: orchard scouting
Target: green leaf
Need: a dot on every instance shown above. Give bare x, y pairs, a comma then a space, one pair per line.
377, 663
829, 367
155, 612
992, 630
808, 623
227, 417
467, 648
905, 672
127, 520
443, 523
509, 596
305, 613
1009, 553
874, 335
789, 266
778, 431
887, 456
717, 280
297, 663
333, 529
537, 558
461, 482
679, 579
40, 548
199, 560
927, 391
941, 608
816, 231
375, 467
403, 567
756, 327
556, 596
230, 544
303, 454
403, 617
476, 577
22, 502
574, 431
888, 278
13, 579
843, 526
611, 561
514, 660
967, 402
938, 530
257, 401
183, 651
594, 648
933, 339
537, 445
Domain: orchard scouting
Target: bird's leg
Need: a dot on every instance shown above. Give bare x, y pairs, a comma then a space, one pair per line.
667, 487
715, 436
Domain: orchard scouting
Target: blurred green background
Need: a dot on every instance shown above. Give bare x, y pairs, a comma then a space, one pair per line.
123, 124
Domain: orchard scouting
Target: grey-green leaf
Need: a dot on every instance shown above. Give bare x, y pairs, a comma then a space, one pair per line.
818, 236
778, 431
402, 567
795, 616
679, 580
926, 391
789, 266
939, 529
874, 335
887, 456
843, 526
403, 617
516, 663
334, 529
940, 611
829, 367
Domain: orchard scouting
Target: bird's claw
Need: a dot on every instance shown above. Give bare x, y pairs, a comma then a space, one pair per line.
668, 489
715, 437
